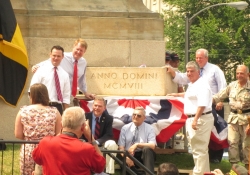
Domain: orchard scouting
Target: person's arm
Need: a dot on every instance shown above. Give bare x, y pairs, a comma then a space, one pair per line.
65, 106
88, 135
66, 91
19, 127
133, 147
37, 77
107, 129
82, 83
171, 71
221, 95
220, 79
89, 96
36, 153
177, 94
96, 146
149, 142
178, 77
219, 106
180, 89
129, 162
36, 66
199, 112
58, 125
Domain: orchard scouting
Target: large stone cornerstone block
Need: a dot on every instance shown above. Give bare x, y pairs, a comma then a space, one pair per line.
129, 81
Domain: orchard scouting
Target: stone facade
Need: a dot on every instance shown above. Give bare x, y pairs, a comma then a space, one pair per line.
119, 33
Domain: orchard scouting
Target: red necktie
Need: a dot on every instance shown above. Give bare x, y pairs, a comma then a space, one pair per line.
74, 82
58, 88
97, 128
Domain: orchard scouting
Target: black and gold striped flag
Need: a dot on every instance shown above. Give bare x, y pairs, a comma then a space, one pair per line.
13, 56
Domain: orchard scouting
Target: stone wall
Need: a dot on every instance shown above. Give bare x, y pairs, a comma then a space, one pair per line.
119, 33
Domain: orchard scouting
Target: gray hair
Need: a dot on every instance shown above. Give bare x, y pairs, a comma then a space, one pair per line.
193, 64
73, 117
100, 99
205, 52
141, 109
167, 169
247, 69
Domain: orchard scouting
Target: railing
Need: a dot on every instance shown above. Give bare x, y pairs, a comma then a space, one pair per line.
10, 158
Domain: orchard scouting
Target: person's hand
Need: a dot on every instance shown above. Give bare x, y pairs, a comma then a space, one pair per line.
247, 131
129, 162
87, 132
34, 68
89, 96
194, 125
132, 149
171, 71
173, 94
217, 172
219, 106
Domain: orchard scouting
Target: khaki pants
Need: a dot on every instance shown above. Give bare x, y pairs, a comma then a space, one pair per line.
236, 134
110, 163
199, 140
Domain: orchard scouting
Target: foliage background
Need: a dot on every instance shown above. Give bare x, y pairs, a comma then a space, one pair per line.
224, 31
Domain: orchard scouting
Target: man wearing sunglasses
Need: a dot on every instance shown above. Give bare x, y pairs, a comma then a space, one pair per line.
138, 138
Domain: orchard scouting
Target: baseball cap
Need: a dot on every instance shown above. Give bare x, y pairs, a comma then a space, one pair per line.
174, 56
168, 55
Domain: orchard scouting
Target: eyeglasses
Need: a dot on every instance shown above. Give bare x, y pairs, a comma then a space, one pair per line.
138, 115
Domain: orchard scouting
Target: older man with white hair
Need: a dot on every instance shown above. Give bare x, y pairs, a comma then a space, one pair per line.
65, 153
198, 108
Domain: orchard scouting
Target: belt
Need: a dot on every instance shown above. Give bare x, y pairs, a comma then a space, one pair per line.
239, 111
201, 114
51, 103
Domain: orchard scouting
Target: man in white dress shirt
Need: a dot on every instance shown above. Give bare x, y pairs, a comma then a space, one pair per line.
79, 48
46, 75
216, 80
198, 108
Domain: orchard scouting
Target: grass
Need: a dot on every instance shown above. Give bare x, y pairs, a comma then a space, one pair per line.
9, 159
185, 161
181, 160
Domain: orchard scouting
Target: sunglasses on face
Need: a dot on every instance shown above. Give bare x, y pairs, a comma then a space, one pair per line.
138, 115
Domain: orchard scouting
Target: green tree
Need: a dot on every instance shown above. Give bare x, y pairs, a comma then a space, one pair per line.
224, 31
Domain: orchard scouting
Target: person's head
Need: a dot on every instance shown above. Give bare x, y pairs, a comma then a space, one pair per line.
39, 94
238, 170
242, 73
73, 118
201, 57
56, 55
167, 169
175, 60
99, 106
139, 115
167, 57
193, 71
79, 48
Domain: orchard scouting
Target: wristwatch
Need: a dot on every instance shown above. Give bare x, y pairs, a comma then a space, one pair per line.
94, 143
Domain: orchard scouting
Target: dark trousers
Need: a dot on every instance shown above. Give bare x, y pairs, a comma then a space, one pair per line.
216, 154
146, 157
58, 106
